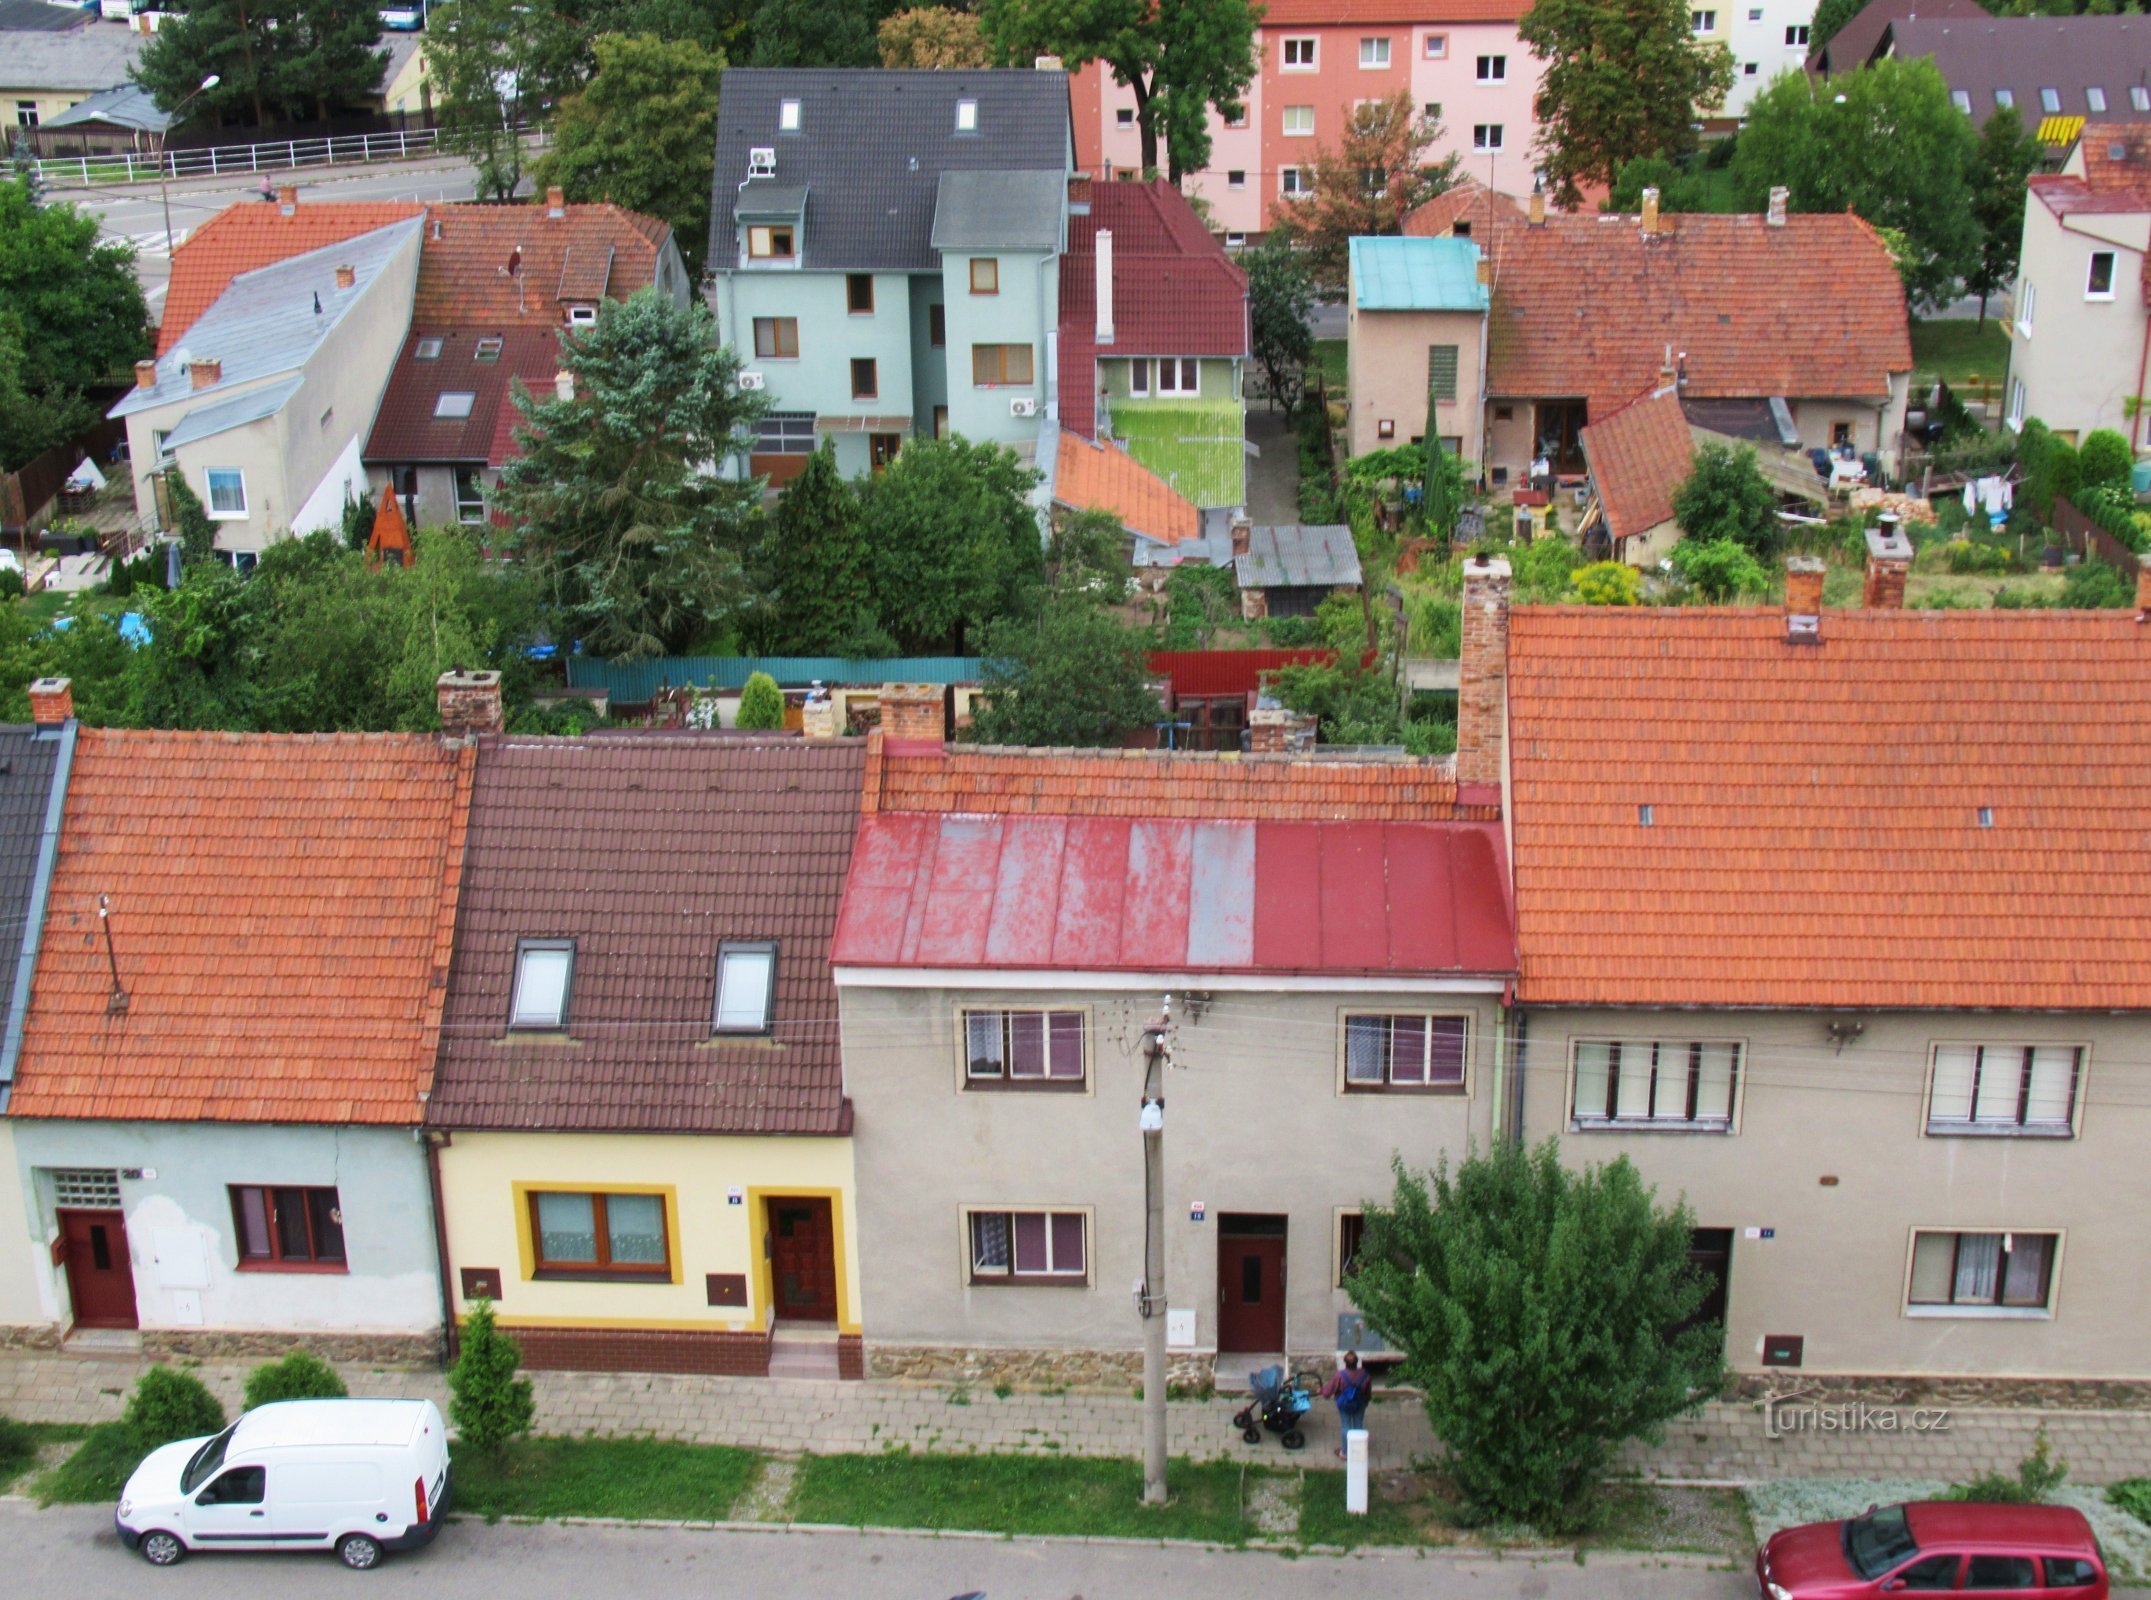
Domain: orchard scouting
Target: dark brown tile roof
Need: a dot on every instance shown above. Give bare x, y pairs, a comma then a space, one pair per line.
406, 429
650, 851
1858, 41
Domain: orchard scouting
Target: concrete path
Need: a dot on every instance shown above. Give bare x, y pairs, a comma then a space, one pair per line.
1724, 1442
1273, 478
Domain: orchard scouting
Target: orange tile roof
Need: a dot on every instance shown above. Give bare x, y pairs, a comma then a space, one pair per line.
1468, 200
903, 776
250, 234
1638, 456
282, 908
1815, 837
1585, 305
592, 252
1103, 477
2111, 183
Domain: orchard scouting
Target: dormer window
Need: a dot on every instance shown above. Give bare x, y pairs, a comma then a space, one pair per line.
788, 116
770, 243
488, 349
544, 973
582, 316
746, 984
429, 350
967, 116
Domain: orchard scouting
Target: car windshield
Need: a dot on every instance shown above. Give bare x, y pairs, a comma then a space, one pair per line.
1878, 1541
205, 1462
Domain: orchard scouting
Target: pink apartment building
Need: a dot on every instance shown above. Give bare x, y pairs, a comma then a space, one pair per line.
1460, 59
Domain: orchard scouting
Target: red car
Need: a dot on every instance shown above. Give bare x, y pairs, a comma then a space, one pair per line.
1942, 1546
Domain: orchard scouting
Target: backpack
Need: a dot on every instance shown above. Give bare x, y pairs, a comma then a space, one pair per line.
1357, 1389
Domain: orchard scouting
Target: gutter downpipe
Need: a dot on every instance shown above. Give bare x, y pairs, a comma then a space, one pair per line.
433, 1143
1520, 1038
48, 853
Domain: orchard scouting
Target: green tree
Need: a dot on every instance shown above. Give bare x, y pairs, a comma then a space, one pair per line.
72, 318
450, 608
1540, 1310
1725, 496
932, 37
761, 703
168, 1405
2103, 460
494, 65
1719, 569
301, 1375
722, 27
2006, 155
197, 534
1623, 78
1606, 583
1830, 17
274, 60
487, 1402
1182, 60
633, 543
816, 33
1374, 178
1883, 141
642, 135
1072, 675
823, 570
954, 539
1280, 309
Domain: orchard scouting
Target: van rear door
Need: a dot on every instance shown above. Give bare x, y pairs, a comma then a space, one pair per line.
317, 1501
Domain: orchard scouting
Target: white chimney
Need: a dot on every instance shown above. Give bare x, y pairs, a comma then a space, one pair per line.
564, 384
1776, 215
1105, 286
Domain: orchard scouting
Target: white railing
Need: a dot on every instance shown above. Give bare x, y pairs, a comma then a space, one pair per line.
216, 160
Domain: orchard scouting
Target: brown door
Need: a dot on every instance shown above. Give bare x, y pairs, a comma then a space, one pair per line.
802, 1259
882, 448
1251, 1284
100, 1279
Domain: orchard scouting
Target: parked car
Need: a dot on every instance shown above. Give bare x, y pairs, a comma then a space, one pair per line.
1920, 1548
355, 1476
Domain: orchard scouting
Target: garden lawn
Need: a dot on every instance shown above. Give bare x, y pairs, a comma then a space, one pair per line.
1021, 1494
590, 1477
97, 1470
21, 1443
1331, 357
1423, 1519
1956, 348
1197, 446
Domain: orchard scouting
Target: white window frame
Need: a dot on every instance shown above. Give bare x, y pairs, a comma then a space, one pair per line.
470, 513
454, 405
736, 961
2050, 102
1492, 69
1124, 116
1962, 100
1236, 178
1291, 181
583, 316
2015, 415
1977, 1311
489, 348
2113, 273
1991, 1065
237, 513
2140, 97
2095, 100
788, 115
1179, 376
1374, 54
1701, 23
1301, 47
528, 1018
1796, 36
967, 116
2027, 305
428, 348
1435, 47
1486, 136
1305, 116
1460, 1089
1666, 1054
1007, 1276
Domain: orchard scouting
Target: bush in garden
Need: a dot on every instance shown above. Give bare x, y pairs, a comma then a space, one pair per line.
2132, 1495
2103, 458
2095, 586
1607, 583
761, 703
487, 1402
1967, 556
2037, 1476
169, 1404
302, 1375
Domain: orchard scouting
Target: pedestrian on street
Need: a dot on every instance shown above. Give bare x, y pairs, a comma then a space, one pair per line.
1351, 1386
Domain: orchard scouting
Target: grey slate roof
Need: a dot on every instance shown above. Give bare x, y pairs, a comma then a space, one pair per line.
39, 16
204, 422
1978, 55
871, 147
264, 324
999, 211
126, 105
28, 761
95, 56
764, 201
1296, 556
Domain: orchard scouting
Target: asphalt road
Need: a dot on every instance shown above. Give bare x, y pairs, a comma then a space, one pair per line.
136, 212
72, 1552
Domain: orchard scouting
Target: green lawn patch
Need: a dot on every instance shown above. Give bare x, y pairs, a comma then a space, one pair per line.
1956, 349
1331, 357
662, 1479
22, 1442
1197, 446
97, 1471
1397, 1512
1021, 1494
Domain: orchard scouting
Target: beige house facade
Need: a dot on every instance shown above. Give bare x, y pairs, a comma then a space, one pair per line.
1415, 331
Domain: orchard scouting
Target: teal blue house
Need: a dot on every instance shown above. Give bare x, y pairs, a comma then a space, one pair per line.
885, 253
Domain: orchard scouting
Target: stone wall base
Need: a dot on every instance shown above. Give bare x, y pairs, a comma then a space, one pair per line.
989, 1366
37, 1336
2051, 1394
240, 1344
851, 1356
717, 1353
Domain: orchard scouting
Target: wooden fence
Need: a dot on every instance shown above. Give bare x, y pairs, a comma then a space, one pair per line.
2087, 538
25, 493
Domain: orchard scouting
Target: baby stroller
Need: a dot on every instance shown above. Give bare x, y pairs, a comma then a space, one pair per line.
1279, 1404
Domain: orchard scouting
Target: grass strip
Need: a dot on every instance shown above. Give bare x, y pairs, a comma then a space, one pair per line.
662, 1479
1323, 1519
1021, 1494
97, 1469
1956, 348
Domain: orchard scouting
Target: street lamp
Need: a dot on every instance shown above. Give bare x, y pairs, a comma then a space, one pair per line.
163, 184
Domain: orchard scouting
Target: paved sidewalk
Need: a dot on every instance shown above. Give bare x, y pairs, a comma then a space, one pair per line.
1723, 1442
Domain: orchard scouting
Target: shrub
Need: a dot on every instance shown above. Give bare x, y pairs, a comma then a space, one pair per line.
1965, 556
1434, 624
1719, 569
1294, 633
11, 583
302, 1375
18, 1448
1727, 497
761, 703
1543, 569
2008, 599
2103, 458
1197, 599
2037, 1476
169, 1404
487, 1402
2132, 1495
1607, 583
2095, 586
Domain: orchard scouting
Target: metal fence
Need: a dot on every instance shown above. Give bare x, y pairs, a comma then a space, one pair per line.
282, 155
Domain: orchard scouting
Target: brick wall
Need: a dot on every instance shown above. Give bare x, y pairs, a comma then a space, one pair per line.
469, 703
1483, 687
915, 711
716, 1353
851, 1356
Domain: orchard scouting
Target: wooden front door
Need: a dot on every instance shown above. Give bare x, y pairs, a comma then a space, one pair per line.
882, 447
1251, 1284
802, 1259
100, 1279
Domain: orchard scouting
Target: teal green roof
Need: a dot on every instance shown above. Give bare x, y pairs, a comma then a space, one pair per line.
1416, 275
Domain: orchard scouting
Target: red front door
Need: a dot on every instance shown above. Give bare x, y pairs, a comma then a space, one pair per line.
802, 1259
100, 1279
1251, 1284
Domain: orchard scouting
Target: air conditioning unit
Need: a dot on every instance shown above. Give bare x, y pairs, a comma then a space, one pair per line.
762, 161
1024, 406
750, 380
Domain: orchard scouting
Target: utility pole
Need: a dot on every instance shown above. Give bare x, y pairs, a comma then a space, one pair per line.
1150, 1292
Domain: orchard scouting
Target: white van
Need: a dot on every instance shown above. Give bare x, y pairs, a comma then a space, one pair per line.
354, 1476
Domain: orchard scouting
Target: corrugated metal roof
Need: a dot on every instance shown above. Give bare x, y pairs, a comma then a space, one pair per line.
125, 106
205, 421
999, 210
1417, 275
28, 761
1295, 556
1204, 673
632, 682
1104, 894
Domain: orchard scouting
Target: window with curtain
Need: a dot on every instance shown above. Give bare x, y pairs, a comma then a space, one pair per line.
597, 1233
2016, 1088
1023, 1049
1404, 1052
1998, 1271
1677, 1084
1028, 1246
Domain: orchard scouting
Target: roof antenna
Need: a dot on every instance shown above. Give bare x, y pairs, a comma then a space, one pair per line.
116, 1001
317, 302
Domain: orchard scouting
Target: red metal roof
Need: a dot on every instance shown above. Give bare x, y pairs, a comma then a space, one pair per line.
1205, 673
1122, 894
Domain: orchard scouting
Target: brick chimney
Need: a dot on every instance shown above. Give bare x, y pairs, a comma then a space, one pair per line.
145, 374
469, 703
1650, 211
1243, 531
1775, 216
1803, 599
818, 717
346, 276
204, 374
916, 713
1273, 730
1079, 191
287, 199
1486, 270
556, 201
1047, 64
1482, 700
1889, 559
52, 701
1105, 286
1538, 208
